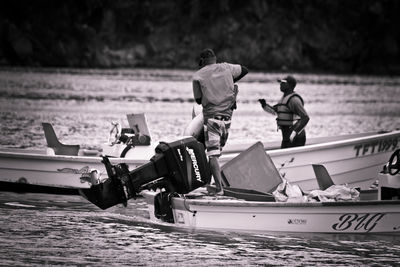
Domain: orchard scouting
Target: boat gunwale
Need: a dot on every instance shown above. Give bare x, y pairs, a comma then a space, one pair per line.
343, 142
245, 203
237, 147
342, 139
98, 159
320, 146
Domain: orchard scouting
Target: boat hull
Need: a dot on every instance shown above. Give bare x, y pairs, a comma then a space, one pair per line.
238, 215
52, 170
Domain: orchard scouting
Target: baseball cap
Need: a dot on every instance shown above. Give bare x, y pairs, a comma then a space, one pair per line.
288, 79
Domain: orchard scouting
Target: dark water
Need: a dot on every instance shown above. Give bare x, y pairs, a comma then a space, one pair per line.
38, 229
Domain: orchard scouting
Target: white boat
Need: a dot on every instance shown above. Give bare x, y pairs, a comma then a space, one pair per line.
64, 168
180, 171
255, 216
373, 211
35, 171
352, 159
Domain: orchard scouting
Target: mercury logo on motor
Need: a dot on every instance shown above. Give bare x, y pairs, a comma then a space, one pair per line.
194, 163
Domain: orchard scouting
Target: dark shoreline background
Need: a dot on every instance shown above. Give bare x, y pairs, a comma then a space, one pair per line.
315, 36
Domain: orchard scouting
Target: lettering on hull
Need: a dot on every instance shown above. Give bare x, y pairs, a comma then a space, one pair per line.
75, 171
377, 146
87, 175
297, 221
358, 222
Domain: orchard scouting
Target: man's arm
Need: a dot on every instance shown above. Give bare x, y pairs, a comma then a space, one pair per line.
266, 107
197, 91
243, 73
297, 107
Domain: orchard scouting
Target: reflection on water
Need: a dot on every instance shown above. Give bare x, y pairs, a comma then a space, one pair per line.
38, 229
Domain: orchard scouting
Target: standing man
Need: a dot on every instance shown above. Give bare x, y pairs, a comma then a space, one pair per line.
292, 118
214, 89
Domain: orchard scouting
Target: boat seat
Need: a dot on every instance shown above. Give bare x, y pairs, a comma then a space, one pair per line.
323, 178
138, 123
325, 181
54, 143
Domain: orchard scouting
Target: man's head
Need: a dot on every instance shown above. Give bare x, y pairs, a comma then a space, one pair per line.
287, 84
207, 56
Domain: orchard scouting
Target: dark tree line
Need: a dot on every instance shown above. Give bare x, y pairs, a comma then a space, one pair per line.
340, 36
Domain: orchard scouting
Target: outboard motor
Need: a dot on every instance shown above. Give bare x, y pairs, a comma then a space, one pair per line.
179, 167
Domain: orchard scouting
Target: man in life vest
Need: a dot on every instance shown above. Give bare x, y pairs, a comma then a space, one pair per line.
214, 89
292, 118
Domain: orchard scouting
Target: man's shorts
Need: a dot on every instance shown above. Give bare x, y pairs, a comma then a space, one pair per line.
216, 134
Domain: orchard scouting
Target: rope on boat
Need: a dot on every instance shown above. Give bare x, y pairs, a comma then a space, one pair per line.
186, 206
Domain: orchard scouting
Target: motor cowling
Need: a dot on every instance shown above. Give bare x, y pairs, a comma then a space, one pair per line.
178, 167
